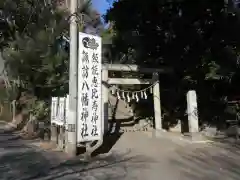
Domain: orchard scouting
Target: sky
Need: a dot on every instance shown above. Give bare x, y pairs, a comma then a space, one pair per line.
100, 5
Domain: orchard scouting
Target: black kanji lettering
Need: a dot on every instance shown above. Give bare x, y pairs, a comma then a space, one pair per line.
94, 131
85, 57
94, 118
94, 93
95, 70
94, 105
85, 84
95, 58
85, 69
85, 99
94, 81
84, 114
84, 130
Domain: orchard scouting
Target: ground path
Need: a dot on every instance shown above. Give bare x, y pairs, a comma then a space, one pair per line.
135, 156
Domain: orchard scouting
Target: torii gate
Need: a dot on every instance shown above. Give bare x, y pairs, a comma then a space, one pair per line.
106, 81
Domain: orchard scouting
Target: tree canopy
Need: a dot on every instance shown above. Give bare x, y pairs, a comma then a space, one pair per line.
35, 54
32, 52
199, 39
33, 39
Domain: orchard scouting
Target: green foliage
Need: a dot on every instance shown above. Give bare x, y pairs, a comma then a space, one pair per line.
33, 50
39, 109
33, 53
199, 39
194, 36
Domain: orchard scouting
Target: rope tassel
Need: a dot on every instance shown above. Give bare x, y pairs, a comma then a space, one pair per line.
118, 95
133, 96
128, 98
145, 95
123, 96
136, 95
151, 90
112, 91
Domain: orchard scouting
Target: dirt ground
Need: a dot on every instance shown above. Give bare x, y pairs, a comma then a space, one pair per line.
135, 155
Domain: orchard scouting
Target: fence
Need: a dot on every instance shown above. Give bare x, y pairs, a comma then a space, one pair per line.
59, 110
59, 115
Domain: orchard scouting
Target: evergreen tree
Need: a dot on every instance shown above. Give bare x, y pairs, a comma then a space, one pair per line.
198, 39
33, 47
32, 53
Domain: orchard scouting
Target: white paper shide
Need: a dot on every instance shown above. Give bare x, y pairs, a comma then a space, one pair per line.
89, 88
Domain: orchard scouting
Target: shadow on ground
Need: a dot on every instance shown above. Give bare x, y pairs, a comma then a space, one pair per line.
217, 161
108, 142
22, 162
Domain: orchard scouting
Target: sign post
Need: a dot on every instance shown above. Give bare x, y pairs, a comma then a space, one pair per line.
89, 122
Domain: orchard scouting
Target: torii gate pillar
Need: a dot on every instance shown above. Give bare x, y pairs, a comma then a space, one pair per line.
157, 102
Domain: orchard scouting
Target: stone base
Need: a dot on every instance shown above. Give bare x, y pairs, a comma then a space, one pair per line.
232, 131
177, 137
164, 134
212, 133
177, 128
159, 133
195, 137
71, 149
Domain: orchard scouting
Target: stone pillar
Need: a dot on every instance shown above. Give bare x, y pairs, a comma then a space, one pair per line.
157, 102
54, 133
104, 100
192, 112
61, 137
